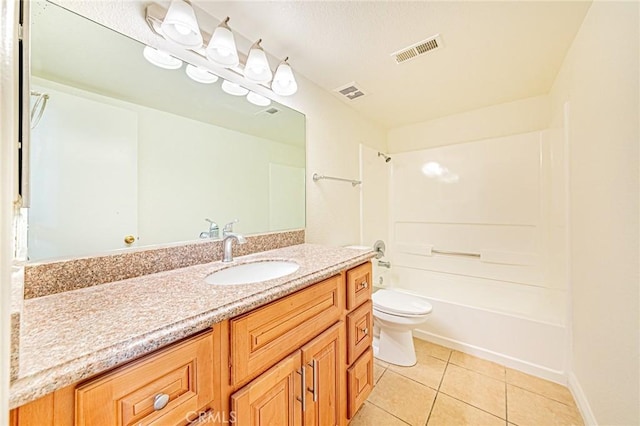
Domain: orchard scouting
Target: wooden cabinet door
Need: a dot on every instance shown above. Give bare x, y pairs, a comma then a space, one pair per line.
323, 360
360, 378
272, 398
359, 331
183, 374
359, 285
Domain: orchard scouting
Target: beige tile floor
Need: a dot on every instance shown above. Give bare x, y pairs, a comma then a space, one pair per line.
447, 387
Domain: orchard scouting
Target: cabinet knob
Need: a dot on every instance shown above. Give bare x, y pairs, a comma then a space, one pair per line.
364, 284
160, 401
364, 331
129, 239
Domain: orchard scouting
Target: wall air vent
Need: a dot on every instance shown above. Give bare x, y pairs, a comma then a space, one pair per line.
351, 91
418, 49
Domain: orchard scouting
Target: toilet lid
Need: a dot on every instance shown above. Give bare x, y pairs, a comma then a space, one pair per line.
394, 302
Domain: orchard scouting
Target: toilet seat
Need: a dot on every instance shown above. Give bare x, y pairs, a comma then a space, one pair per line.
400, 304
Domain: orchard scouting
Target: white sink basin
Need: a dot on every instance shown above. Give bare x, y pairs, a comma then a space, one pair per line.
254, 272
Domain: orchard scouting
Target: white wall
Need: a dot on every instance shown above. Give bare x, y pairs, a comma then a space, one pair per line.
599, 79
374, 173
522, 116
334, 135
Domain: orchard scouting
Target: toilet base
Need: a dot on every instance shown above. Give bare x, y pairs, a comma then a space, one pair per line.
395, 347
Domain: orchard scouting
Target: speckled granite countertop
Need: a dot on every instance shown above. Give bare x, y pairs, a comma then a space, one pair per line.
68, 337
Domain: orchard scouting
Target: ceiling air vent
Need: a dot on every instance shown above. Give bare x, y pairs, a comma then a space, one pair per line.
351, 91
272, 111
418, 49
268, 111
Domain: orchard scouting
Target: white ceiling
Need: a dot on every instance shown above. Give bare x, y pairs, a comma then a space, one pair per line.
494, 52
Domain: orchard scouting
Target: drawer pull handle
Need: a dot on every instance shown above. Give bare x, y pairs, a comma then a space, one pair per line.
314, 390
364, 284
303, 385
160, 401
364, 331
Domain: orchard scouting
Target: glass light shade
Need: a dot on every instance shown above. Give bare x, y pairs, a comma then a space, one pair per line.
161, 59
222, 47
200, 75
284, 83
233, 88
257, 68
258, 100
181, 26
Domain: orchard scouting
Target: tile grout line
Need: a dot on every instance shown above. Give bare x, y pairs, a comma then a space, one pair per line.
391, 414
471, 405
416, 381
466, 402
542, 395
506, 400
512, 384
476, 371
377, 406
438, 390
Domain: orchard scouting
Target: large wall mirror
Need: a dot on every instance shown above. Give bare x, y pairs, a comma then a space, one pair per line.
126, 148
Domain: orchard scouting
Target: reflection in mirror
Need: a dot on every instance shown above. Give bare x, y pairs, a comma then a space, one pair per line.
125, 148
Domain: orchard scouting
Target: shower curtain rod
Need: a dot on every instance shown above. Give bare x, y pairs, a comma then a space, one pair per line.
317, 177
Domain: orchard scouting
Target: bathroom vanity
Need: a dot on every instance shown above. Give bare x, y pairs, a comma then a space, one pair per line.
294, 350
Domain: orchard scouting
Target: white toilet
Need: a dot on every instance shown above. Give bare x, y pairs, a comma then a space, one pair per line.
395, 315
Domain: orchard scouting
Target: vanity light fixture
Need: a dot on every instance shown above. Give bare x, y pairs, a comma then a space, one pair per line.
233, 88
161, 59
181, 26
222, 46
258, 100
257, 67
219, 47
200, 75
284, 83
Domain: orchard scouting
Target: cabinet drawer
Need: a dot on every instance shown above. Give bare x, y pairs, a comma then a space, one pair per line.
182, 372
359, 331
360, 382
265, 335
359, 284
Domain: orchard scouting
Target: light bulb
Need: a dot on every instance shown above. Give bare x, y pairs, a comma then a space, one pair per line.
222, 46
284, 83
182, 29
257, 67
181, 26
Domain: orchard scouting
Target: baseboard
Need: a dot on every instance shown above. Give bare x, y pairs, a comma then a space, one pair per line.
516, 364
581, 401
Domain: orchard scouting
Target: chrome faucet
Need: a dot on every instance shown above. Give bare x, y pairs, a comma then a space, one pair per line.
227, 243
228, 228
214, 231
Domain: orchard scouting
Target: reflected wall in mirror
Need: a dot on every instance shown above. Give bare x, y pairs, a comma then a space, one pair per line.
126, 148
